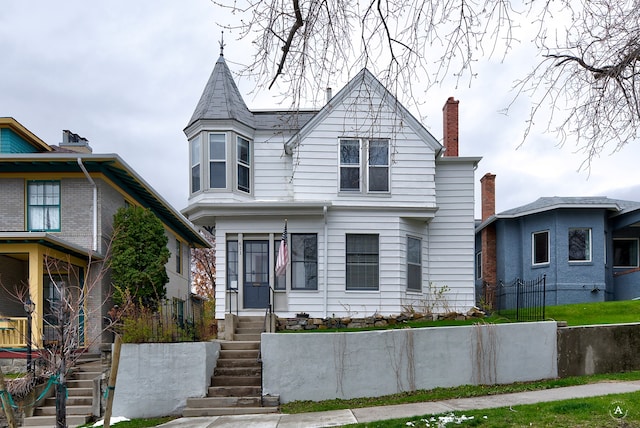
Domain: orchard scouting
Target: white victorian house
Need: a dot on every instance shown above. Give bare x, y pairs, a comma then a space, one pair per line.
379, 213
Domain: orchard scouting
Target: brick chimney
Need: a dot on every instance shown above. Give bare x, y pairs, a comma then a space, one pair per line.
488, 195
450, 127
488, 239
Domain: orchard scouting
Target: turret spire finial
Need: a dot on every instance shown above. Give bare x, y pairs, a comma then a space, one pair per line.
222, 44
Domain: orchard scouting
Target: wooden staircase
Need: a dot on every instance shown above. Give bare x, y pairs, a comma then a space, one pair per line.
79, 400
236, 384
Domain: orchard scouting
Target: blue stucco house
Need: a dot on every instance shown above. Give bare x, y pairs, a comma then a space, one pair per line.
587, 247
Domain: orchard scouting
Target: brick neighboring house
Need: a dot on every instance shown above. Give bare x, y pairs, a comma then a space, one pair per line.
57, 203
588, 247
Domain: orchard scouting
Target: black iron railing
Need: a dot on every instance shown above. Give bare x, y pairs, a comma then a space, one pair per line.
524, 300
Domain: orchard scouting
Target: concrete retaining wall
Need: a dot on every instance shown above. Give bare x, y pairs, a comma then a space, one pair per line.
315, 366
155, 379
597, 349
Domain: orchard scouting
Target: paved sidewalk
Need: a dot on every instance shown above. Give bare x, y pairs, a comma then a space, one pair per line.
370, 414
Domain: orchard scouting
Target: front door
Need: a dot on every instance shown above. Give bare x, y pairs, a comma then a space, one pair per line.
256, 274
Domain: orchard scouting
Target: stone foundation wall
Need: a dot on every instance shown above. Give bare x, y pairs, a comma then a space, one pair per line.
13, 365
305, 323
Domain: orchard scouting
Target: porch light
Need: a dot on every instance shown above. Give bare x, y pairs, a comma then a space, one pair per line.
29, 307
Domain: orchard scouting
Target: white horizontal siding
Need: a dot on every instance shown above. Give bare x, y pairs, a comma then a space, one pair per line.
452, 245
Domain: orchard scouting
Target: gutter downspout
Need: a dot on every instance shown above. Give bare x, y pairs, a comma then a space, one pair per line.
326, 262
94, 245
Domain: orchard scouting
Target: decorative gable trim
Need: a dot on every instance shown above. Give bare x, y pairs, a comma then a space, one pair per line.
364, 77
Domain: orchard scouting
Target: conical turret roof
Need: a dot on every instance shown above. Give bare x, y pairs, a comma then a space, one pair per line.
221, 98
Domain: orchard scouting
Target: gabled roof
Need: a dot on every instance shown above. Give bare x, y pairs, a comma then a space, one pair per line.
24, 133
366, 78
221, 98
616, 206
116, 170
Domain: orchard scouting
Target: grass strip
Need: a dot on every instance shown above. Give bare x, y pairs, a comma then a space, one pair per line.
438, 394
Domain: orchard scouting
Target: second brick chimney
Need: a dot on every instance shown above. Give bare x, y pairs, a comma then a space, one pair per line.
488, 195
450, 127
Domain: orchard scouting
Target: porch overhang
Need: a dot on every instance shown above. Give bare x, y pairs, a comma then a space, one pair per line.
205, 211
49, 241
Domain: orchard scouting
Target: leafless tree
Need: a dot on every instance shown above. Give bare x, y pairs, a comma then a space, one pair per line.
68, 321
585, 86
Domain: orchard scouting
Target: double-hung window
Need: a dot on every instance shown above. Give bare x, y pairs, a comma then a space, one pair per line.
178, 256
349, 165
244, 164
304, 261
579, 245
372, 156
625, 252
195, 164
540, 247
378, 159
217, 161
232, 265
362, 262
43, 205
414, 264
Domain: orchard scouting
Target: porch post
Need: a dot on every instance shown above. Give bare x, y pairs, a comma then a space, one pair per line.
36, 289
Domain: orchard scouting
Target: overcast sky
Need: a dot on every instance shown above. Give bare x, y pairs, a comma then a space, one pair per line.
127, 75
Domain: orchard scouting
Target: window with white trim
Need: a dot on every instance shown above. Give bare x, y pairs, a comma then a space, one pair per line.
195, 164
625, 253
362, 262
244, 164
43, 205
540, 247
232, 265
372, 156
217, 161
414, 264
579, 244
304, 261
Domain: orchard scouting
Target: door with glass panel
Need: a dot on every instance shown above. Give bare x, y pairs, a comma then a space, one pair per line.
256, 274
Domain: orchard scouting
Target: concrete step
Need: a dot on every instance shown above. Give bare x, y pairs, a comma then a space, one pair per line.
224, 402
248, 330
71, 401
236, 381
222, 411
237, 371
80, 392
247, 337
71, 410
234, 391
82, 375
238, 354
238, 362
79, 383
50, 421
245, 345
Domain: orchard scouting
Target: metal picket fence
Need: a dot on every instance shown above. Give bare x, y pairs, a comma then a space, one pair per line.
524, 299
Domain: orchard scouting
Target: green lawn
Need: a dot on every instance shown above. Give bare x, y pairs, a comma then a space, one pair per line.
620, 410
464, 391
626, 311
